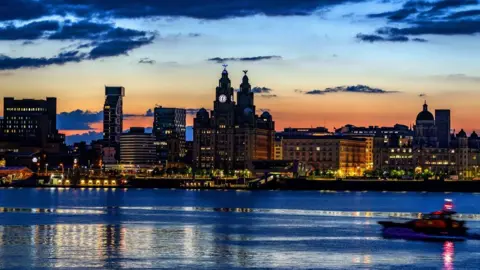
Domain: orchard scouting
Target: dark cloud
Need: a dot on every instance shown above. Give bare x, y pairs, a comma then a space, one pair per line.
147, 61
245, 59
106, 40
461, 27
397, 15
207, 9
347, 89
10, 63
422, 95
84, 137
261, 90
22, 10
30, 31
429, 18
447, 4
194, 35
378, 38
78, 119
85, 30
117, 47
464, 14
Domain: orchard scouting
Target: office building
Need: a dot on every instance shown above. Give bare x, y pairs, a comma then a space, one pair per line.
442, 123
232, 136
137, 148
112, 123
30, 125
346, 156
169, 131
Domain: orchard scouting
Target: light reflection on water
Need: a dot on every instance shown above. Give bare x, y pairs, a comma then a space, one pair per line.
77, 230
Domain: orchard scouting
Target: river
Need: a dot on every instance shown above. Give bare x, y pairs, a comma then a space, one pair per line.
191, 229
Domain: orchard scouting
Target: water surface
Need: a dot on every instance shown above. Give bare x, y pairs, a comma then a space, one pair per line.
149, 228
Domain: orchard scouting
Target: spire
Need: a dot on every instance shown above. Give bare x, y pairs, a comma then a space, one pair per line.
425, 106
245, 77
224, 81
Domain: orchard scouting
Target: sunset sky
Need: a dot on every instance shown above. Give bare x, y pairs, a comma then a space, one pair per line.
314, 62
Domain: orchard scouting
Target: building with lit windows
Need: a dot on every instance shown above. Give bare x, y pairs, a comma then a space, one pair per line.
137, 148
398, 132
232, 136
346, 156
278, 148
30, 125
169, 130
112, 123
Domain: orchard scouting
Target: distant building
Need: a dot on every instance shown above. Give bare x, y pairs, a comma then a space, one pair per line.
442, 123
344, 155
233, 135
169, 130
278, 148
399, 133
318, 131
425, 129
112, 122
30, 125
137, 148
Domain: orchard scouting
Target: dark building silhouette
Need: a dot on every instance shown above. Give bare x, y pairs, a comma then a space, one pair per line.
169, 130
233, 135
425, 129
30, 125
442, 123
112, 123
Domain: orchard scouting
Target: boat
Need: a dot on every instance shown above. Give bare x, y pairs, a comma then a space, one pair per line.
435, 226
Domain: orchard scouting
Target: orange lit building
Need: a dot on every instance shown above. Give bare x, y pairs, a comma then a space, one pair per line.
344, 155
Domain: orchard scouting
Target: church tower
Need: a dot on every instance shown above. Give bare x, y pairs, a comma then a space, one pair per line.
223, 118
245, 111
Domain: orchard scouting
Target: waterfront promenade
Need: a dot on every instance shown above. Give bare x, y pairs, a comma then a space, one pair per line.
259, 184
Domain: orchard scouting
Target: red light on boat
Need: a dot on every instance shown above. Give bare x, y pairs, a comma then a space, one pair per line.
448, 205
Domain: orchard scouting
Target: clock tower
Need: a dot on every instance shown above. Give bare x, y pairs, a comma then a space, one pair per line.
223, 118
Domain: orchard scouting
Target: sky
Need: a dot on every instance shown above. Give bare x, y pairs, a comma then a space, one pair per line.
311, 62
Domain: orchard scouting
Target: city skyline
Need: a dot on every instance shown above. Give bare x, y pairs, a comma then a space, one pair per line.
362, 62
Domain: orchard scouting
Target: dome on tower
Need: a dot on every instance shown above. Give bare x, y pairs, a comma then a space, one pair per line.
202, 113
266, 115
473, 135
461, 134
247, 111
425, 115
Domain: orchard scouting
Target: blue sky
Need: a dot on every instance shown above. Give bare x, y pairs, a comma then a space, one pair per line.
320, 59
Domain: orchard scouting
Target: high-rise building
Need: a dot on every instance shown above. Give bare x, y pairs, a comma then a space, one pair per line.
112, 122
442, 123
137, 148
169, 130
233, 135
30, 123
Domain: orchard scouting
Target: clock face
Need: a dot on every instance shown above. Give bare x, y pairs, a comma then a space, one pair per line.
222, 98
